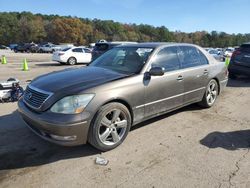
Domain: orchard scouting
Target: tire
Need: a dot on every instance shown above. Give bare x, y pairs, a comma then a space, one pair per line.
72, 61
210, 94
105, 135
232, 76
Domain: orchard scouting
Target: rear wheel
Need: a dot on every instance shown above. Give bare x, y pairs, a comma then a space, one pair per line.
210, 95
72, 61
109, 127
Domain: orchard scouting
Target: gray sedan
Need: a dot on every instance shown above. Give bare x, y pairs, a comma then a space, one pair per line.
123, 87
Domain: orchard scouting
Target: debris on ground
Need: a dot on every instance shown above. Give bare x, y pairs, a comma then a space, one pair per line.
101, 161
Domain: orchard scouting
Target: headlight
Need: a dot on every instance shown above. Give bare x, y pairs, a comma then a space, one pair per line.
72, 104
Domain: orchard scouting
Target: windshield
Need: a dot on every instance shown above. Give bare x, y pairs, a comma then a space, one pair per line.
126, 60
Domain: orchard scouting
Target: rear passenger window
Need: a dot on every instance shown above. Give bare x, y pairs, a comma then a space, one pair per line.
77, 50
168, 59
203, 58
190, 57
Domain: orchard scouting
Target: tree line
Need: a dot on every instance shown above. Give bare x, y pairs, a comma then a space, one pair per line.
23, 27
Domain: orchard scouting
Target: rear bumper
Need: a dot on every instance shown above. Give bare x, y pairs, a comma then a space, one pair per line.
223, 84
59, 59
62, 133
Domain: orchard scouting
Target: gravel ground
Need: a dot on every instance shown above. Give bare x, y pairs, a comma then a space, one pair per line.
190, 147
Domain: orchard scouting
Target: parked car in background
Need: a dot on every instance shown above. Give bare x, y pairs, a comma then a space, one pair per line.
25, 47
216, 54
228, 52
3, 47
123, 87
12, 46
49, 48
102, 46
73, 55
240, 62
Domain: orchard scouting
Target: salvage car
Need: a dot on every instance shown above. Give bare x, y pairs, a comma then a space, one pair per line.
73, 55
123, 87
6, 89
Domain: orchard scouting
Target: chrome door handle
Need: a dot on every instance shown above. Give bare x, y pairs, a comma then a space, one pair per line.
180, 78
205, 72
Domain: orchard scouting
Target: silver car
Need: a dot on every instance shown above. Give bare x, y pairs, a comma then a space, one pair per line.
123, 87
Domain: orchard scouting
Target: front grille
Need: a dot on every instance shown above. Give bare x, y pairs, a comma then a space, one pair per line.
34, 97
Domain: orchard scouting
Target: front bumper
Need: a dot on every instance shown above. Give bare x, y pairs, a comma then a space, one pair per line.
61, 129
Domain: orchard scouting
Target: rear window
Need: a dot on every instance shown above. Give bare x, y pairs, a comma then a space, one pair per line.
65, 49
245, 48
77, 50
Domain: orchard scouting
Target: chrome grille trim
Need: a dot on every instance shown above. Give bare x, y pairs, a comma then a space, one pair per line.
39, 97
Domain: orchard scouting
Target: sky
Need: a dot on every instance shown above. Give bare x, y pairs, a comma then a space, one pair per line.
231, 16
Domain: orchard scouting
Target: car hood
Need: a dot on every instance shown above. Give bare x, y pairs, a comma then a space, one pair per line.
75, 80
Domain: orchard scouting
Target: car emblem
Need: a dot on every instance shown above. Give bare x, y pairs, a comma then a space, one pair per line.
29, 95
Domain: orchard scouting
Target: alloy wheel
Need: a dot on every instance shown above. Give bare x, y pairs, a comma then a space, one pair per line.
72, 61
112, 127
211, 93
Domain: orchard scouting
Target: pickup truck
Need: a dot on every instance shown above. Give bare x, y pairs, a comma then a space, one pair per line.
49, 48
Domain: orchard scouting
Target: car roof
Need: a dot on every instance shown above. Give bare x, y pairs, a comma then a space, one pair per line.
246, 43
155, 44
115, 43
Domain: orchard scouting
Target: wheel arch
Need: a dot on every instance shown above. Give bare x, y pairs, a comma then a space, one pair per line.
218, 83
125, 103
71, 57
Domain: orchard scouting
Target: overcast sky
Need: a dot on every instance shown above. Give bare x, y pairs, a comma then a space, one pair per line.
231, 16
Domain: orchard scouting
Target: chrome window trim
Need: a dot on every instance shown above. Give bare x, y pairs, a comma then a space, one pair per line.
168, 98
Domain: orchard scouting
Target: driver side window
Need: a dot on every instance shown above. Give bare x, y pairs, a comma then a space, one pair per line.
168, 59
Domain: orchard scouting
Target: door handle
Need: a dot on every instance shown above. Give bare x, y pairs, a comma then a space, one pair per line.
180, 78
205, 72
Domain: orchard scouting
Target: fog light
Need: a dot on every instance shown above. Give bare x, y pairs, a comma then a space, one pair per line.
63, 138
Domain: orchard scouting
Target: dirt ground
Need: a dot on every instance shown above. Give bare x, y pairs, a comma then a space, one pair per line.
191, 147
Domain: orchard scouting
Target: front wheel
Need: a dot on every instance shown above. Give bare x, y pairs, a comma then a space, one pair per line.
110, 126
210, 95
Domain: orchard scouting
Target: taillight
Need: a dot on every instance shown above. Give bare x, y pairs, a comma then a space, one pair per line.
60, 53
237, 52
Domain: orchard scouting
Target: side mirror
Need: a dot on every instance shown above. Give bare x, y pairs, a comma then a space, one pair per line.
156, 71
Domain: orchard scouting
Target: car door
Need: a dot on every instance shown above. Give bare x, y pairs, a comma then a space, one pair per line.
87, 55
78, 54
195, 73
164, 93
